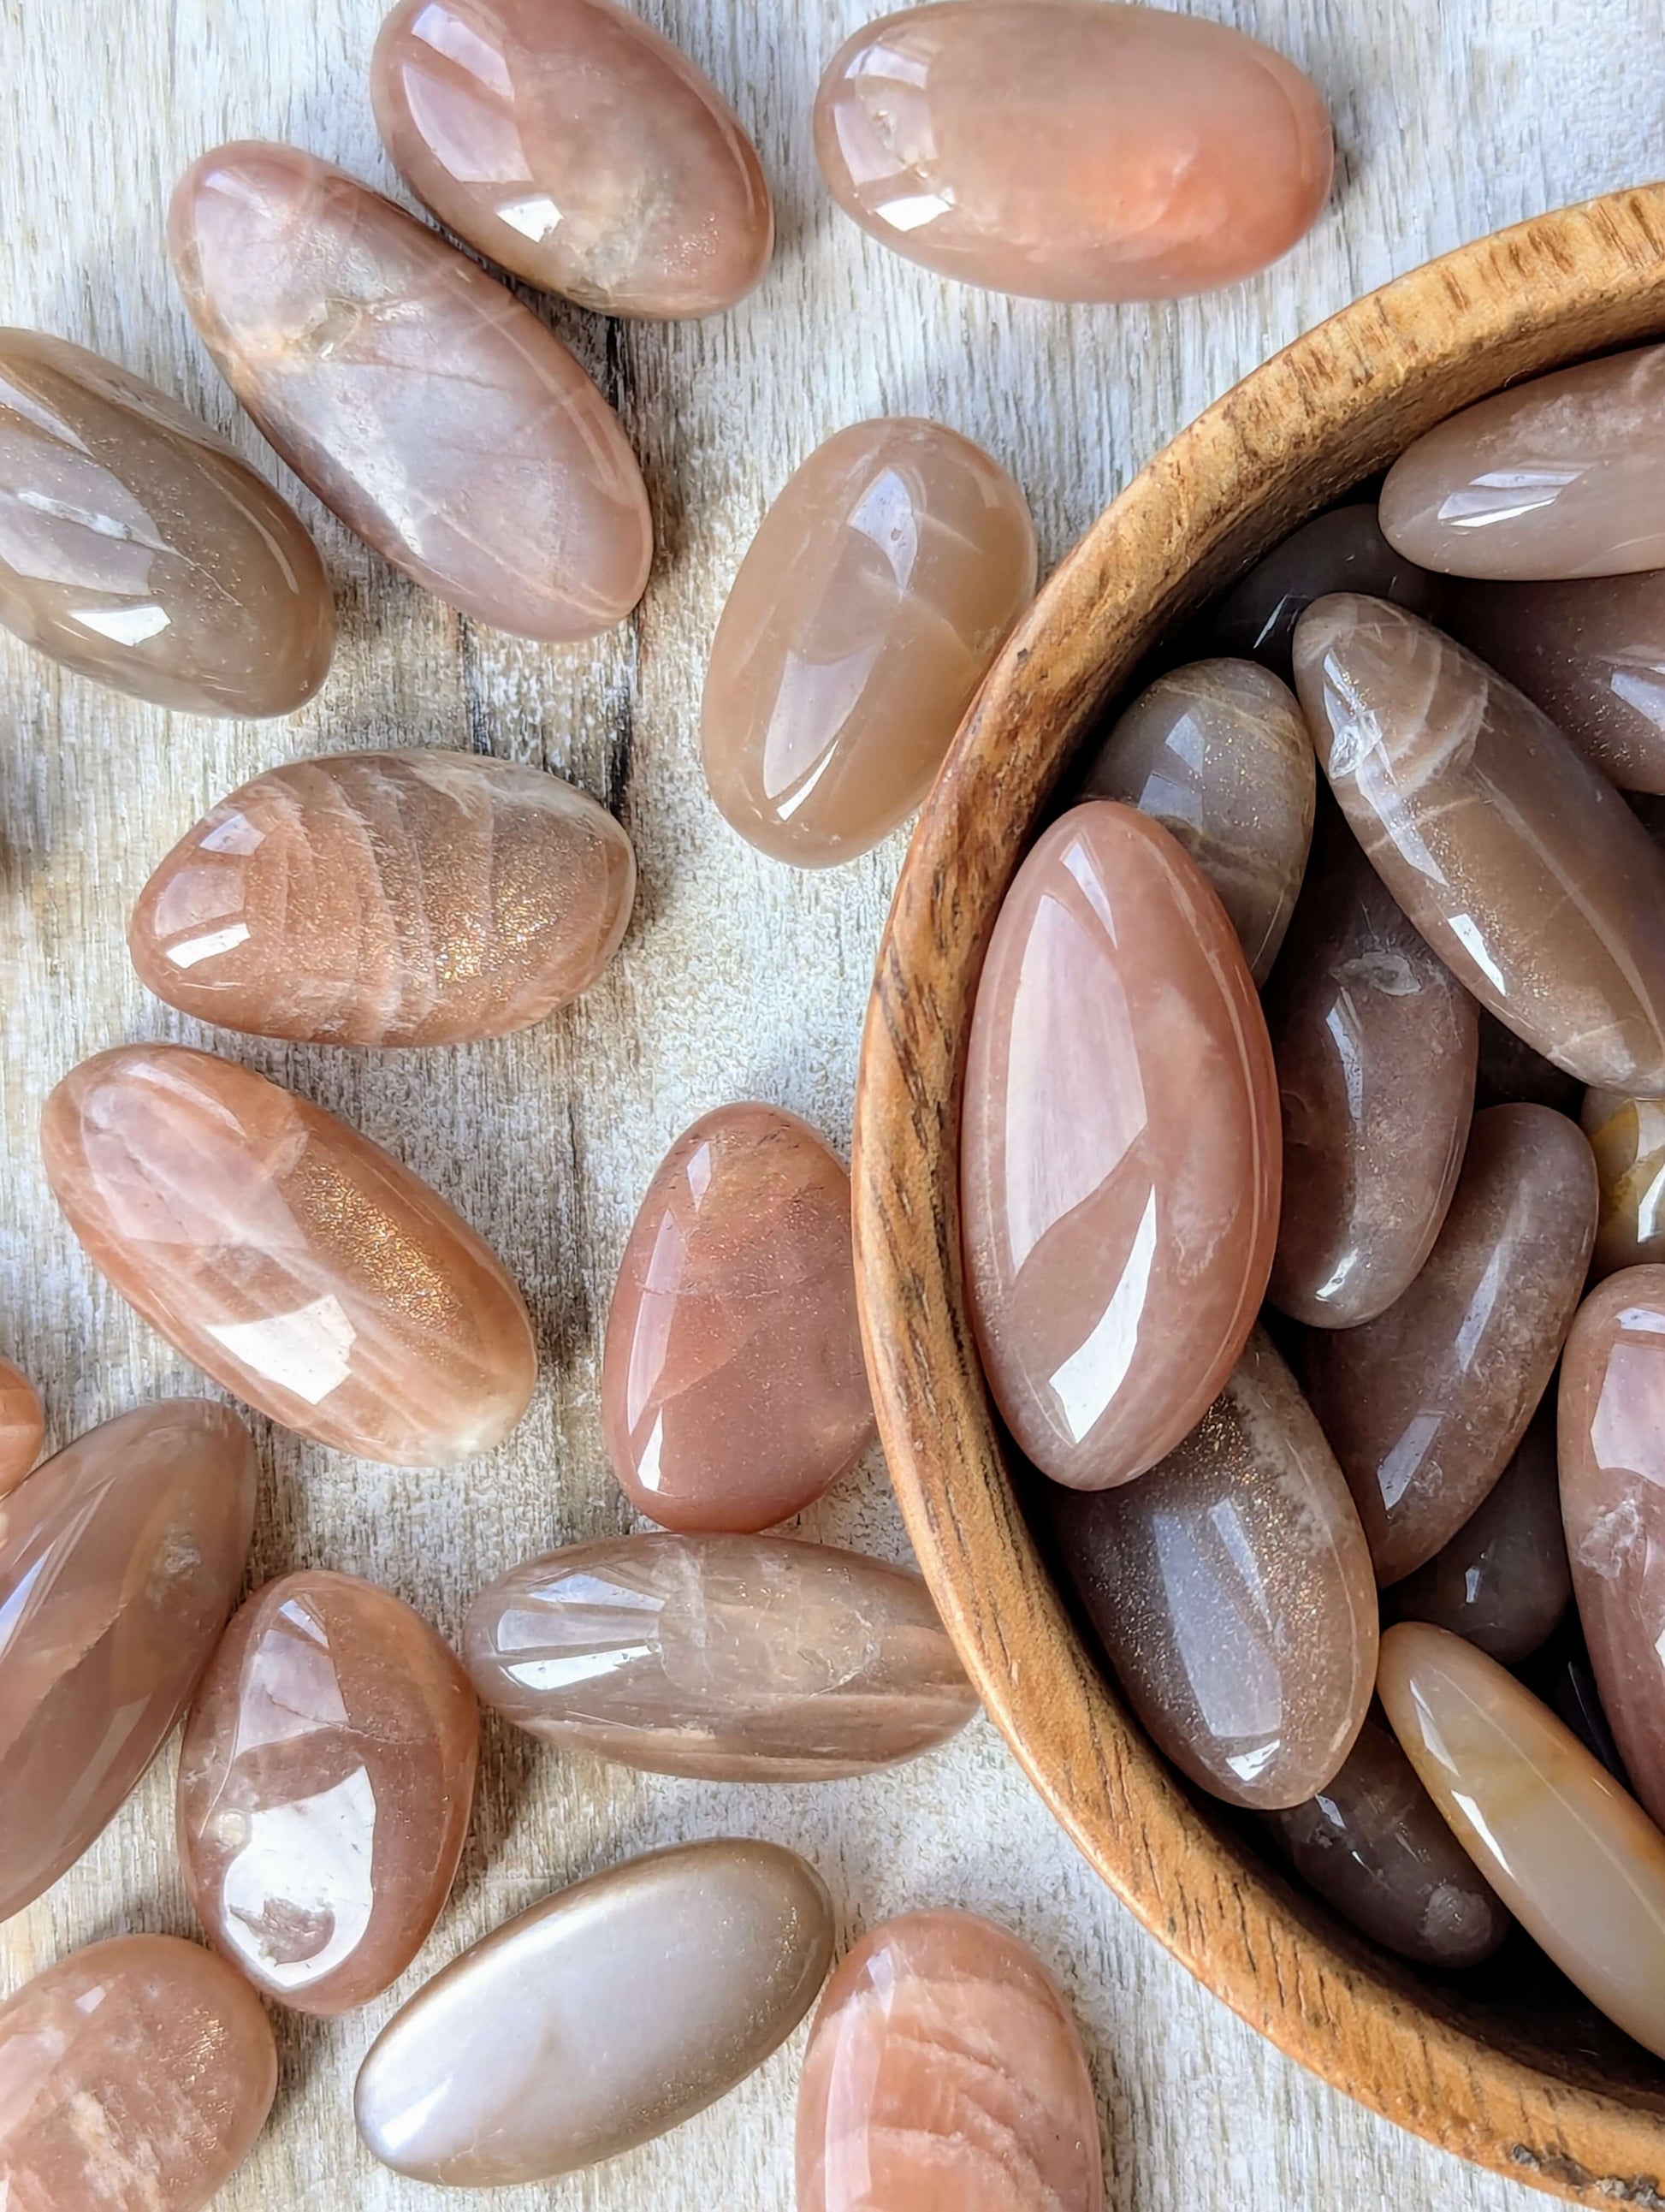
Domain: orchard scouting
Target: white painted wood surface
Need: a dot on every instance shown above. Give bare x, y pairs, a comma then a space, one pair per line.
739, 978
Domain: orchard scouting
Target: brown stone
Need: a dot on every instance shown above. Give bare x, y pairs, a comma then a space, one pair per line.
1627, 1136
1340, 550
22, 1425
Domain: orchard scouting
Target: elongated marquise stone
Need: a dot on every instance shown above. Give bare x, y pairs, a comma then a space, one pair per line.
420, 400
733, 1385
572, 143
137, 2074
610, 2013
1564, 476
944, 2069
1218, 753
293, 1261
139, 549
1426, 1405
865, 615
22, 1425
1231, 1589
1627, 1136
1120, 1152
732, 1658
1340, 550
1067, 150
1520, 864
1572, 1857
119, 1562
387, 899
325, 1784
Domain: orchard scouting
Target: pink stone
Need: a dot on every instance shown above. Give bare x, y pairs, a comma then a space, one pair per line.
22, 1425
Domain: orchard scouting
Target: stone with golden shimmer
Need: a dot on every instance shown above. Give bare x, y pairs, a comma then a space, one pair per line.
22, 1425
1627, 1136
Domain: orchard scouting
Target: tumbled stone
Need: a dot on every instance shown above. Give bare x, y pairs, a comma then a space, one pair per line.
863, 616
1627, 1136
1340, 550
1561, 1675
1426, 1405
1375, 1044
572, 143
1522, 867
1576, 1860
1562, 476
1120, 1152
138, 548
1230, 1587
297, 1263
387, 899
603, 2016
22, 1425
732, 1658
1509, 1073
120, 1561
1219, 753
421, 401
1068, 151
136, 2073
1373, 1845
325, 1782
944, 2070
732, 1384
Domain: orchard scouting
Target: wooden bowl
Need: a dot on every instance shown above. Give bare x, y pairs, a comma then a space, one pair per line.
1507, 2066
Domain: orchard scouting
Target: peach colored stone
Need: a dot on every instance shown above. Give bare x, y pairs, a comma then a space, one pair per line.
733, 1385
1119, 1166
294, 1262
865, 613
1627, 1136
1068, 150
22, 1425
387, 899
325, 1782
420, 400
572, 143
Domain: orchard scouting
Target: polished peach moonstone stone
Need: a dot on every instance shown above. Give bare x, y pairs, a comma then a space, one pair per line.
944, 2073
22, 1425
293, 1261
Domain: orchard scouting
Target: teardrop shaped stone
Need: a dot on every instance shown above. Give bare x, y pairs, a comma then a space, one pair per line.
120, 1561
22, 1425
1576, 1860
1424, 1406
1627, 1136
137, 2074
1230, 1587
1219, 753
944, 2070
138, 548
1068, 151
607, 2015
1522, 866
1119, 1166
865, 613
391, 898
325, 1784
572, 144
1340, 550
733, 1385
419, 399
1374, 1847
1374, 1042
1562, 476
732, 1658
297, 1263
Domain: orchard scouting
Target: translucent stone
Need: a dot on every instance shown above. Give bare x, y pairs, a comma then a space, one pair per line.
294, 1262
387, 899
1627, 1136
22, 1425
1340, 550
732, 1658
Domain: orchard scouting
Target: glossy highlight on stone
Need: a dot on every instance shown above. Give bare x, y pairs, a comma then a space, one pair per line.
1627, 1136
119, 1562
387, 898
569, 141
1340, 550
325, 1782
1119, 1165
603, 2016
1067, 150
730, 1658
22, 1425
878, 590
138, 547
136, 2074
297, 1263
421, 401
945, 2074
734, 1388
1522, 866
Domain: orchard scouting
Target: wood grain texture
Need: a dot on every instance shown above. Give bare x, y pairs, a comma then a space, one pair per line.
739, 978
